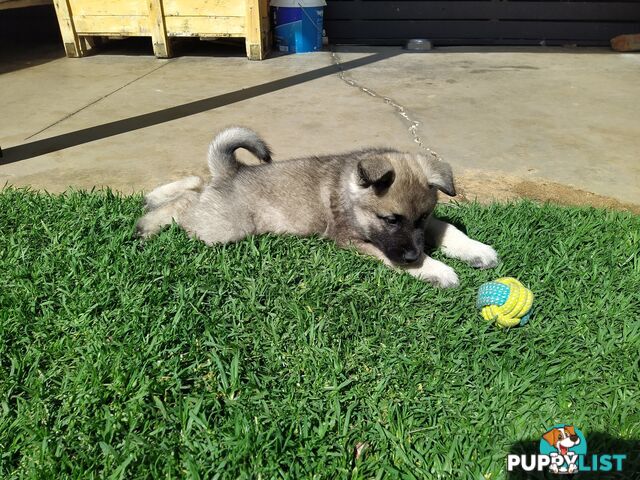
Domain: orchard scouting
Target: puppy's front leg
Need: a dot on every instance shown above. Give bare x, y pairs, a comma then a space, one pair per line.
433, 271
456, 244
426, 268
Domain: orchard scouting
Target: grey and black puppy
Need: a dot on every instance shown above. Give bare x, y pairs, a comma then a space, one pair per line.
377, 200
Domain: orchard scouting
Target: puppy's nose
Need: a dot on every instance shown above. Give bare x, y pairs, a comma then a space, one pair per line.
574, 438
410, 256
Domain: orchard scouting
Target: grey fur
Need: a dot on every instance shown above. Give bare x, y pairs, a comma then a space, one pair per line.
438, 174
221, 156
352, 198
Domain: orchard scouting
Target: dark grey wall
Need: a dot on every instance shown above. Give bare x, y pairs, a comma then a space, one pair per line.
480, 22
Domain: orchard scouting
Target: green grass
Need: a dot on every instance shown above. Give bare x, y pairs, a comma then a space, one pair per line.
274, 357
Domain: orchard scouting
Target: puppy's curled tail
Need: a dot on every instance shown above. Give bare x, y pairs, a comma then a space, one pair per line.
222, 158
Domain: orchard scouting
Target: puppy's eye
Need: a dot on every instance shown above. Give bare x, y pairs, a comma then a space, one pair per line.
390, 219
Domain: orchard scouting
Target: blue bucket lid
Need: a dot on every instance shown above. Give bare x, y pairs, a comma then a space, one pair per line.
298, 3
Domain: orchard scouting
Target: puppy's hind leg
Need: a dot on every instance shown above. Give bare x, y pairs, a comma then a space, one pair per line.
161, 216
456, 244
170, 191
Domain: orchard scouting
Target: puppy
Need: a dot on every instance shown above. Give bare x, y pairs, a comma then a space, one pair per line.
378, 200
563, 439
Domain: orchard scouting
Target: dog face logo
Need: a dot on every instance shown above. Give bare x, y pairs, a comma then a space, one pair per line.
563, 443
562, 438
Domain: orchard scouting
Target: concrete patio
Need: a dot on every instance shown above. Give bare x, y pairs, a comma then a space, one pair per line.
543, 123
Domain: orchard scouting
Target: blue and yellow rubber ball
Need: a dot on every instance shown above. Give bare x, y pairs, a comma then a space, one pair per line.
505, 301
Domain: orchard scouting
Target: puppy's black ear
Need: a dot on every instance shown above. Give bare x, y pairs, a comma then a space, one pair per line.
438, 174
376, 173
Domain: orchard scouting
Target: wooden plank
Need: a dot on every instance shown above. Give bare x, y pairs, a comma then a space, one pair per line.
112, 25
205, 26
8, 4
482, 10
342, 31
257, 29
68, 31
161, 45
204, 8
110, 7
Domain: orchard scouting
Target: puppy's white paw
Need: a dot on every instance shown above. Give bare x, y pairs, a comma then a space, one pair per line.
437, 273
146, 228
476, 254
446, 279
483, 256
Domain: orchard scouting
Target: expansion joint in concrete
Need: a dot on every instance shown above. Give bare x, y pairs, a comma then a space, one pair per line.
84, 107
399, 109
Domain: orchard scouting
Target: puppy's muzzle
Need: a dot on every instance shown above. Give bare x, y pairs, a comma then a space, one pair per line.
410, 256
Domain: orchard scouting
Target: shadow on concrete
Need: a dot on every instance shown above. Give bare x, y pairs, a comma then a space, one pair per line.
71, 139
17, 55
476, 49
600, 443
28, 37
180, 47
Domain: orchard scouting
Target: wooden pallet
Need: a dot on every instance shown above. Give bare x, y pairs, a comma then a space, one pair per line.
7, 4
82, 22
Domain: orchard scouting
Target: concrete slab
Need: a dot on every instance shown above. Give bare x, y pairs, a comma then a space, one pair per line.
565, 115
34, 98
503, 119
314, 117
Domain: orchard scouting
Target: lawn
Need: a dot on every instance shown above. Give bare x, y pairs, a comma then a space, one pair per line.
274, 357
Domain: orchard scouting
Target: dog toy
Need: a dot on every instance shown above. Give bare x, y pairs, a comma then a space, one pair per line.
505, 301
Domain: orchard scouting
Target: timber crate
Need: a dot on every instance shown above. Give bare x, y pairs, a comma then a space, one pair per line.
8, 4
82, 22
